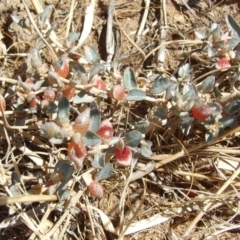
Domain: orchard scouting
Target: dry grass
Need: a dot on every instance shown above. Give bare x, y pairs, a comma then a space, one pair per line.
187, 189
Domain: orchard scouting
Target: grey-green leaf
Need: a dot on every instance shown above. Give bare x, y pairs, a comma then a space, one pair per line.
145, 149
96, 69
105, 172
208, 84
160, 85
90, 138
135, 95
63, 111
233, 24
99, 160
95, 119
91, 55
142, 126
82, 97
129, 79
132, 138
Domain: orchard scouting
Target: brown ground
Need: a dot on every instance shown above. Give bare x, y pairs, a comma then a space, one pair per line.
145, 197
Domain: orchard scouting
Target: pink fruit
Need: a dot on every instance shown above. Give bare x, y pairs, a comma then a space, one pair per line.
99, 83
62, 67
82, 122
201, 112
106, 130
95, 189
124, 156
68, 92
223, 63
118, 92
77, 153
49, 94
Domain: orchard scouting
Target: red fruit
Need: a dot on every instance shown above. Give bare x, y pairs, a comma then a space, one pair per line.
77, 153
124, 156
118, 92
82, 122
49, 94
201, 112
68, 92
62, 67
99, 83
106, 130
2, 102
34, 102
223, 63
95, 189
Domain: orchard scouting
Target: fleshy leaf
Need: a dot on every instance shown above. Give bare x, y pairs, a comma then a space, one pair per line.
146, 149
105, 172
16, 18
132, 138
95, 119
142, 126
184, 73
99, 160
135, 95
161, 113
160, 85
210, 137
91, 55
96, 69
63, 194
129, 79
51, 108
233, 24
45, 13
15, 178
233, 107
186, 125
82, 97
90, 138
227, 121
170, 92
63, 111
208, 84
201, 34
65, 170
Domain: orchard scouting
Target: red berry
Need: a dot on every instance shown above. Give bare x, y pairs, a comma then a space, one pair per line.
99, 83
49, 94
62, 67
124, 156
34, 102
68, 92
118, 92
201, 112
95, 189
223, 63
82, 122
77, 153
2, 102
106, 130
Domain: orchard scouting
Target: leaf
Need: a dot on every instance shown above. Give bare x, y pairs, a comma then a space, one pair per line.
82, 97
210, 137
186, 125
184, 71
99, 160
15, 190
16, 19
201, 34
227, 121
90, 138
135, 95
170, 92
208, 84
45, 13
233, 24
65, 170
142, 126
95, 119
63, 111
73, 37
105, 172
161, 113
189, 91
51, 108
233, 107
15, 178
132, 138
91, 55
129, 79
145, 149
63, 194
96, 69
160, 85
